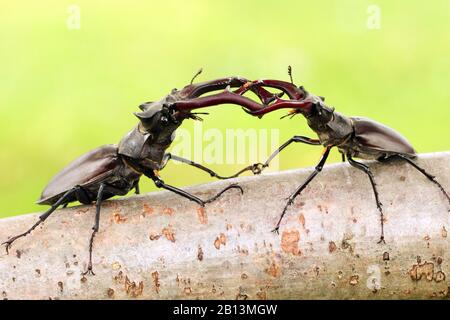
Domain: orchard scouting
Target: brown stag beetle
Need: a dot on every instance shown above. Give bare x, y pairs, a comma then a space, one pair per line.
355, 137
112, 170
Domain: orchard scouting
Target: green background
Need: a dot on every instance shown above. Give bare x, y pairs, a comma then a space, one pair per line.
64, 92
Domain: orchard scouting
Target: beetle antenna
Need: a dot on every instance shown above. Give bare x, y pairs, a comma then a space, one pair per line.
196, 75
290, 73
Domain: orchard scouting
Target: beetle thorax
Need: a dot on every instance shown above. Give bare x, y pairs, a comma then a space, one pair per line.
332, 129
166, 135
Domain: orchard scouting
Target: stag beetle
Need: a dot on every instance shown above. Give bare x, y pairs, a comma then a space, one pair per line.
112, 170
355, 137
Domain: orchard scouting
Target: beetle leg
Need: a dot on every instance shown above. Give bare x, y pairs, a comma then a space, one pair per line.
366, 169
257, 168
136, 187
95, 228
231, 186
201, 167
194, 164
291, 198
161, 184
101, 191
426, 174
42, 217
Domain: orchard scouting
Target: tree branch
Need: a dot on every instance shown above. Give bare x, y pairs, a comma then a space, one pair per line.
161, 246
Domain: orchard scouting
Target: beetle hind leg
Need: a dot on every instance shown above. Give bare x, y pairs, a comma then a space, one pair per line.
425, 173
42, 217
366, 169
10, 241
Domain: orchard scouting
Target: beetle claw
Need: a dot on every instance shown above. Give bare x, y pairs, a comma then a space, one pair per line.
7, 246
89, 271
257, 168
236, 186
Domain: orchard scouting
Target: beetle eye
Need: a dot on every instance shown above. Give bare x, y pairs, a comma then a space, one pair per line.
164, 120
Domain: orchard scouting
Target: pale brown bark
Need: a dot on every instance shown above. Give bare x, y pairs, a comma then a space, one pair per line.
161, 246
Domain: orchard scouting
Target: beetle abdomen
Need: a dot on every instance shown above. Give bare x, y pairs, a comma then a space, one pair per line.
376, 136
83, 171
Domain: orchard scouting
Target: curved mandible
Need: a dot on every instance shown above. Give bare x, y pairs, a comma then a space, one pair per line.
196, 90
290, 89
223, 97
303, 107
298, 96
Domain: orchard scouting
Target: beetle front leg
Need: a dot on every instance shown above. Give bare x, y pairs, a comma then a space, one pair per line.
212, 173
257, 168
297, 192
161, 184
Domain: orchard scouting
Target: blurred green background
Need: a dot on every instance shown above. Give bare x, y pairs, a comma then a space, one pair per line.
65, 91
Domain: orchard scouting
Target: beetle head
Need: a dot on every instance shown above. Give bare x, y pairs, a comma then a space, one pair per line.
157, 116
320, 114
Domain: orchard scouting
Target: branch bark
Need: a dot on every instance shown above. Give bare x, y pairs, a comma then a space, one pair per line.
161, 246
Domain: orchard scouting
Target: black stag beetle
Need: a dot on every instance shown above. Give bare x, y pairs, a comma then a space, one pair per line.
112, 170
355, 137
